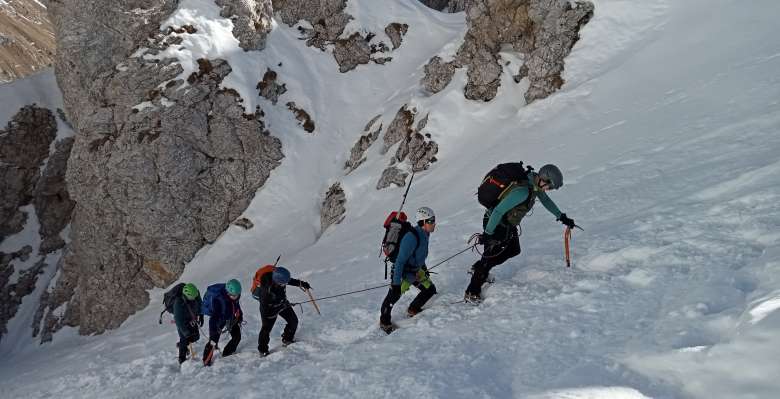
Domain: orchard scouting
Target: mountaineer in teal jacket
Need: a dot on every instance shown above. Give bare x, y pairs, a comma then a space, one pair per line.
501, 238
409, 269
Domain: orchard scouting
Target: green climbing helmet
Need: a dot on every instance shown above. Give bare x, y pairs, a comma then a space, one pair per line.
190, 291
233, 287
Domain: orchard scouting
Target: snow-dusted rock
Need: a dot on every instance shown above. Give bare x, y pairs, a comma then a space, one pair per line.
543, 30
392, 175
152, 183
370, 134
52, 200
24, 145
11, 294
446, 5
400, 128
269, 86
251, 21
333, 207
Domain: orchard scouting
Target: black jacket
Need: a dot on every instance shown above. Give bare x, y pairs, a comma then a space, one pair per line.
185, 313
272, 297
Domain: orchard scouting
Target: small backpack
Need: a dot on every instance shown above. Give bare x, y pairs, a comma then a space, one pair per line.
169, 298
259, 275
499, 181
212, 292
396, 227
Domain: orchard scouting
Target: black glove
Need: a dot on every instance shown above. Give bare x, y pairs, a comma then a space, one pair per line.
424, 268
487, 241
566, 220
200, 320
305, 285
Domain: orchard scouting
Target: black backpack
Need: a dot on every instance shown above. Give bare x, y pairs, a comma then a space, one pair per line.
396, 227
499, 181
170, 297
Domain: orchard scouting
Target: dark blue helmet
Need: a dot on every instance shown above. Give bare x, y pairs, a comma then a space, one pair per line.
281, 276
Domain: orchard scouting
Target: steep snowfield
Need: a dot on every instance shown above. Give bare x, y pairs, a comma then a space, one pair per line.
667, 132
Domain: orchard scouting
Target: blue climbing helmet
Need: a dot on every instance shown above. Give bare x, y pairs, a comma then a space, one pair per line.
281, 276
233, 287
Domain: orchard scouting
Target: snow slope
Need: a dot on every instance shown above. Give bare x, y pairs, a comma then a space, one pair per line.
667, 132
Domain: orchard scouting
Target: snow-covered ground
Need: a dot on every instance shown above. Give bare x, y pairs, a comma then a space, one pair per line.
668, 132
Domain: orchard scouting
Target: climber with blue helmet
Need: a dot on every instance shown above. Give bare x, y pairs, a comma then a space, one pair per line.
270, 288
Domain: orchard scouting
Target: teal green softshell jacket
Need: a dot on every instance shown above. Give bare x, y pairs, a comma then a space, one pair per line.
516, 197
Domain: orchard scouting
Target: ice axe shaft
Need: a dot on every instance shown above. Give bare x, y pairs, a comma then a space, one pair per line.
313, 302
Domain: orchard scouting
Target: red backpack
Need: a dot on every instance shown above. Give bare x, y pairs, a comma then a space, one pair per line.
259, 275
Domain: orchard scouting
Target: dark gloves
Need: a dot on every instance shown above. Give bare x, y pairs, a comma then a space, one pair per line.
566, 221
305, 285
200, 320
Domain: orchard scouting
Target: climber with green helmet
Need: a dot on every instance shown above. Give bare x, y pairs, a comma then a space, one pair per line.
509, 192
186, 313
221, 304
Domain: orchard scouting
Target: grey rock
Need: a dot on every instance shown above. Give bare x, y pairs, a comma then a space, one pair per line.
396, 31
151, 186
392, 175
450, 6
24, 145
437, 75
11, 295
418, 151
543, 30
399, 129
244, 223
302, 116
333, 207
351, 52
269, 88
370, 135
53, 205
251, 21
328, 21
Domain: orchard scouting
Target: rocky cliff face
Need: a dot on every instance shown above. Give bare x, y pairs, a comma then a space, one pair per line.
156, 170
30, 174
26, 39
544, 31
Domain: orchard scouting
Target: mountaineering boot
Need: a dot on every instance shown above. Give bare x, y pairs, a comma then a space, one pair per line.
411, 312
287, 342
472, 298
264, 353
387, 328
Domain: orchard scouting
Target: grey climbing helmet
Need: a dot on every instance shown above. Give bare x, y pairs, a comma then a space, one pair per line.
551, 174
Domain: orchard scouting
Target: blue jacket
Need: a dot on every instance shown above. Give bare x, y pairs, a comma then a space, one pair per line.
223, 309
515, 197
410, 260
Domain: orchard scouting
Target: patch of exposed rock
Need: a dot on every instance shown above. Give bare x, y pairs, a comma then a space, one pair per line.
26, 39
333, 207
415, 148
24, 145
11, 294
327, 20
396, 32
450, 6
52, 201
269, 88
544, 31
392, 175
370, 134
303, 117
244, 223
152, 183
251, 21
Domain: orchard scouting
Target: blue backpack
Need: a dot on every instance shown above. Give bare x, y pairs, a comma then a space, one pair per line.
212, 292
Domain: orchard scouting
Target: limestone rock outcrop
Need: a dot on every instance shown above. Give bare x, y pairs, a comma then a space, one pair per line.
156, 170
370, 134
251, 21
333, 206
269, 86
24, 145
326, 20
392, 175
544, 31
415, 147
